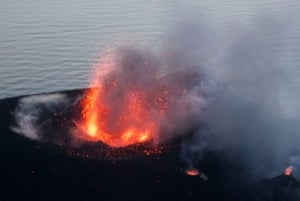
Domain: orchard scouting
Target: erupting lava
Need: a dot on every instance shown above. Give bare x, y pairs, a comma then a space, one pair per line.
132, 124
288, 171
133, 100
123, 108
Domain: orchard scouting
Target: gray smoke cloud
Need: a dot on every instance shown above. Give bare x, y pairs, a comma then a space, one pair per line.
244, 117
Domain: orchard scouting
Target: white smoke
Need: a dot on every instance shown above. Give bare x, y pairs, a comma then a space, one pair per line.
29, 117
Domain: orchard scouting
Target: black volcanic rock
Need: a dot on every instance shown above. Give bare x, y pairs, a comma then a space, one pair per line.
277, 189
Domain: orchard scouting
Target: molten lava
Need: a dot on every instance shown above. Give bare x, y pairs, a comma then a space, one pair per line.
121, 115
192, 172
288, 171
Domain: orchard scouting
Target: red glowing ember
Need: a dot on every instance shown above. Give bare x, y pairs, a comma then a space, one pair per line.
288, 171
192, 172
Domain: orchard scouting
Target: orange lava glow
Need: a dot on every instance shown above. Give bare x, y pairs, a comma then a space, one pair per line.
117, 123
288, 171
131, 101
192, 172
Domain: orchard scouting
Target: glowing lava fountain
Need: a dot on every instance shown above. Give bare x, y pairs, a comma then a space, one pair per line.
124, 107
133, 123
134, 99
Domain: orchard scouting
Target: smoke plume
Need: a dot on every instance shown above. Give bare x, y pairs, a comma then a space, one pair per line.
244, 76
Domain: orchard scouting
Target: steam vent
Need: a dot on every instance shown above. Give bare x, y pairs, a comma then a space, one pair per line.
48, 153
